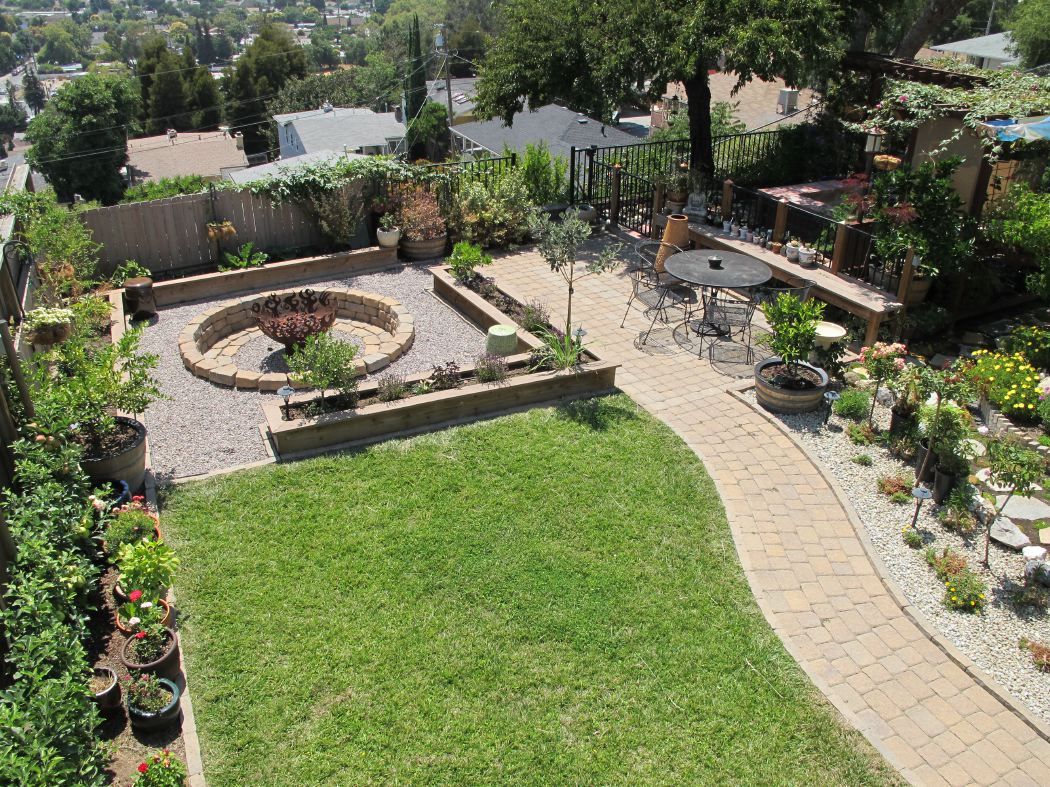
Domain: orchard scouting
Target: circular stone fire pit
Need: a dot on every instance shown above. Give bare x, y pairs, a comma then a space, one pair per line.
210, 342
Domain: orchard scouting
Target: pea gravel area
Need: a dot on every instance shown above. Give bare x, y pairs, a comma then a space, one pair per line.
989, 639
202, 427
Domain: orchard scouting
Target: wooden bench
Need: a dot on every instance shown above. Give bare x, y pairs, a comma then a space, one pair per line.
870, 304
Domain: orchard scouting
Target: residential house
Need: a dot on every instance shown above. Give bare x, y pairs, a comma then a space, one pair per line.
560, 128
346, 129
992, 52
463, 91
210, 154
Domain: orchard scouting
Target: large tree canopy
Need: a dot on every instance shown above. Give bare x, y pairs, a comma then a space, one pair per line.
1030, 27
79, 139
595, 55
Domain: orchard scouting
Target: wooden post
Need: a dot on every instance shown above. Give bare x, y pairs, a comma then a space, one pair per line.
14, 363
614, 195
658, 203
781, 221
727, 199
907, 273
838, 251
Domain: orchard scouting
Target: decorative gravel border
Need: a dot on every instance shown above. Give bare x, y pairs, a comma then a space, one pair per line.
1038, 722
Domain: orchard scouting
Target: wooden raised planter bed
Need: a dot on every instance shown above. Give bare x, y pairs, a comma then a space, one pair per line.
473, 400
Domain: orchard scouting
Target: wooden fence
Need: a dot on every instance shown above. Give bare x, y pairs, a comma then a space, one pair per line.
169, 235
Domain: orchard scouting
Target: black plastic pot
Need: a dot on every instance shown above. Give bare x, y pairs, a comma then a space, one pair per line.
943, 483
920, 457
144, 720
900, 423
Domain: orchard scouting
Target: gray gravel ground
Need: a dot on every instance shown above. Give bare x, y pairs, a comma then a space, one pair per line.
989, 639
204, 427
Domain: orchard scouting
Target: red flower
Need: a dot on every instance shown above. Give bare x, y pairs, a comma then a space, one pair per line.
140, 635
135, 595
138, 498
143, 767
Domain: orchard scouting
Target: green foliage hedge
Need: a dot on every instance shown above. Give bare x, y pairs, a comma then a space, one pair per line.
47, 717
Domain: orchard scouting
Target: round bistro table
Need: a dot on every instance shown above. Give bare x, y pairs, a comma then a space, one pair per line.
737, 271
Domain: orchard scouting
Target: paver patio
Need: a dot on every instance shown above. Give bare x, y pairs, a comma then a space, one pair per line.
806, 560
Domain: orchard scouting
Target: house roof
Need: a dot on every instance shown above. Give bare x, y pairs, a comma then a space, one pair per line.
463, 89
343, 128
559, 127
276, 168
998, 46
205, 154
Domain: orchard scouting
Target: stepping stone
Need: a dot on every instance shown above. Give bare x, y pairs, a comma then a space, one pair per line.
984, 475
1044, 535
1034, 553
1007, 533
1024, 507
940, 361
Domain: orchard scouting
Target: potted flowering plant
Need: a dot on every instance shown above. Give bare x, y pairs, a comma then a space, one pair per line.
882, 361
791, 250
46, 326
162, 769
423, 228
128, 524
151, 648
146, 565
388, 233
152, 702
139, 612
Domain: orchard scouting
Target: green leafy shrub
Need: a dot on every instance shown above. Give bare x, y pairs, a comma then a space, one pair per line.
91, 316
964, 592
148, 566
129, 269
464, 261
794, 325
492, 215
246, 257
489, 368
325, 364
912, 537
164, 188
545, 176
128, 526
956, 515
861, 434
900, 498
1020, 221
864, 460
853, 404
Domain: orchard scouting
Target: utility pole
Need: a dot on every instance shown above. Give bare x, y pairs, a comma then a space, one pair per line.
988, 27
442, 47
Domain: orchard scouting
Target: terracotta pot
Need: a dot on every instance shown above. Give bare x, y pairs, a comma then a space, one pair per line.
144, 720
423, 249
676, 233
788, 400
128, 466
165, 621
166, 664
109, 697
917, 291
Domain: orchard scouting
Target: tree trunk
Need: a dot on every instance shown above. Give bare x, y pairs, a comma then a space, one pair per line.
933, 15
698, 98
861, 28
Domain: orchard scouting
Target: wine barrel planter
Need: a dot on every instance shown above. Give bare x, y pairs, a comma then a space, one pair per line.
144, 720
167, 664
166, 621
128, 466
423, 249
109, 697
788, 400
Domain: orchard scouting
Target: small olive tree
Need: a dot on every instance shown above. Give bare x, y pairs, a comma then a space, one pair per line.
324, 363
951, 384
794, 325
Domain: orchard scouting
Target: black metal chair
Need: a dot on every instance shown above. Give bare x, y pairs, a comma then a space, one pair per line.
740, 312
658, 292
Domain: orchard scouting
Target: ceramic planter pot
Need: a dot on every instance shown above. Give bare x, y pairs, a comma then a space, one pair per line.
388, 239
166, 664
788, 400
166, 621
791, 252
727, 226
144, 720
587, 213
807, 257
129, 465
109, 697
423, 249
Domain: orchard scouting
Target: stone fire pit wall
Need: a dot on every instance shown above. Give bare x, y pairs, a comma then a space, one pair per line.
201, 356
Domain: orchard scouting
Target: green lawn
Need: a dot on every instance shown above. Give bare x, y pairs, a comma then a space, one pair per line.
550, 597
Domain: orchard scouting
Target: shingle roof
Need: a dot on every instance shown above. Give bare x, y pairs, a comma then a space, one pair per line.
998, 46
342, 128
559, 127
205, 154
242, 176
463, 89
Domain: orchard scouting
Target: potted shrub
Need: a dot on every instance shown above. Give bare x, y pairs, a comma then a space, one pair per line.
45, 326
946, 439
784, 383
388, 233
422, 226
883, 361
678, 188
105, 688
946, 386
81, 386
152, 702
129, 524
791, 250
907, 389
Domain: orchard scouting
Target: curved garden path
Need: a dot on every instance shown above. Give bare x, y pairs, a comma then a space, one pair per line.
925, 707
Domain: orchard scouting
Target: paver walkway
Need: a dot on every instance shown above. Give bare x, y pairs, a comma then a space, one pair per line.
807, 565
